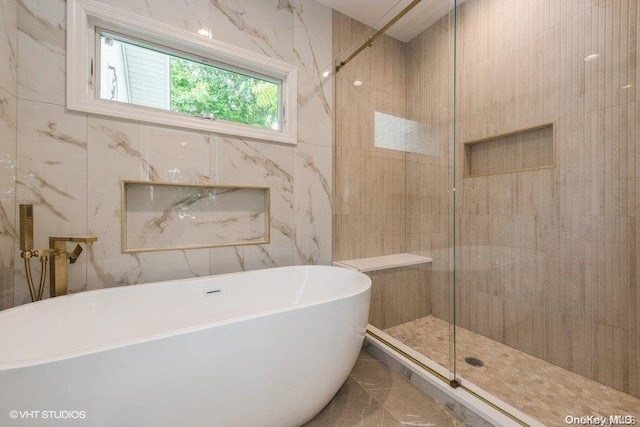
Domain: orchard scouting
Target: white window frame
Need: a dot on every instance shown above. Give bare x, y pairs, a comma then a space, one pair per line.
83, 16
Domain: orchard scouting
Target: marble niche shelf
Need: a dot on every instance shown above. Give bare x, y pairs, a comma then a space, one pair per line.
383, 262
162, 216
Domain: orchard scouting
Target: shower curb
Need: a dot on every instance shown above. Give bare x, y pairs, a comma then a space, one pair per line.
461, 402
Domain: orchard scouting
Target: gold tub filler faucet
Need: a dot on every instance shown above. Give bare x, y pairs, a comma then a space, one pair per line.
56, 253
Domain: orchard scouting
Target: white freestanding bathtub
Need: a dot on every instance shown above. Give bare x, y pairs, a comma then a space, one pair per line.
260, 348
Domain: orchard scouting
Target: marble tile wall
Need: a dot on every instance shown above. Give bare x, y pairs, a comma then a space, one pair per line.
69, 164
8, 121
170, 216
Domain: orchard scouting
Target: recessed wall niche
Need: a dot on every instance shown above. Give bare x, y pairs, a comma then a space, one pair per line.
522, 150
176, 216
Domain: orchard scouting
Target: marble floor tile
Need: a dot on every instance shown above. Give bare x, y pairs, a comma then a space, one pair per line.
540, 389
374, 395
405, 402
353, 406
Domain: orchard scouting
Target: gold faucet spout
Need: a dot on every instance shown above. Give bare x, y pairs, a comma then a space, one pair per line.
59, 258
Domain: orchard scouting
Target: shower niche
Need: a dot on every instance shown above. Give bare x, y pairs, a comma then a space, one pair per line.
522, 150
175, 216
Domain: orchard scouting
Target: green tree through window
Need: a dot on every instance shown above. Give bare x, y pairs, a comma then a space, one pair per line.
203, 90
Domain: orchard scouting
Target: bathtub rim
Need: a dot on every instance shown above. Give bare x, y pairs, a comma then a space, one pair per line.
6, 366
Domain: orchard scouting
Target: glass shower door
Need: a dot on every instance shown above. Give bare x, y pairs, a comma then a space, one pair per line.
395, 170
546, 205
430, 177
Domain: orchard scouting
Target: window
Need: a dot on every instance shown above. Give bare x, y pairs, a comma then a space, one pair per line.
127, 66
397, 133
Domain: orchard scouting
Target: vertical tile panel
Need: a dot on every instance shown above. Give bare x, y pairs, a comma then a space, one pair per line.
587, 242
237, 161
312, 30
52, 175
42, 51
264, 27
8, 135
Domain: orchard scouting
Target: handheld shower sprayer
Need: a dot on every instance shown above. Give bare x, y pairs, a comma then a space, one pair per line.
26, 227
27, 252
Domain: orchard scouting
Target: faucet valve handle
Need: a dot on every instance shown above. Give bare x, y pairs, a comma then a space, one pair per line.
26, 254
73, 256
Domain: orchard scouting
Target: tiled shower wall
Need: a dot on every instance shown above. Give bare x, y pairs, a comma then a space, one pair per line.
547, 260
372, 206
69, 164
370, 181
430, 71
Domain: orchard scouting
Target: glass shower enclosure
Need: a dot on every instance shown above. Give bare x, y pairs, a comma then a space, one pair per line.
497, 142
395, 167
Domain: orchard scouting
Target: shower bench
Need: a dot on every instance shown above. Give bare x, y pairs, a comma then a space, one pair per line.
383, 262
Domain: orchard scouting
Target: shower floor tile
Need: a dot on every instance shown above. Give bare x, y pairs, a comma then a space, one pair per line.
374, 395
540, 389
